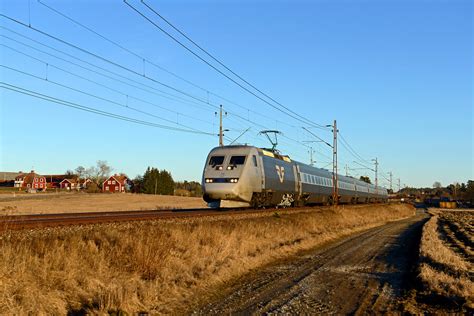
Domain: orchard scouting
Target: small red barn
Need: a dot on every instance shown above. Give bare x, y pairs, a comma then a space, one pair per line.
68, 184
115, 183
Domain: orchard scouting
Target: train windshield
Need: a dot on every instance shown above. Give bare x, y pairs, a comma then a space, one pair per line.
237, 160
216, 160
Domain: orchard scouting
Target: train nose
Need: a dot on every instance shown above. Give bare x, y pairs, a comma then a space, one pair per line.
221, 191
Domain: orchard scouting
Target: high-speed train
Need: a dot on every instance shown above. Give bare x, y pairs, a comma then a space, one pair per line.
240, 176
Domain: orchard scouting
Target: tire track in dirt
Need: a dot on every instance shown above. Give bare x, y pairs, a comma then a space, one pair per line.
366, 272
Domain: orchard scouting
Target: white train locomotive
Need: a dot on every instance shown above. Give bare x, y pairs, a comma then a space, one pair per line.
237, 176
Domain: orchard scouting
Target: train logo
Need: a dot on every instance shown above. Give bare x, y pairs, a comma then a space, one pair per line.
281, 172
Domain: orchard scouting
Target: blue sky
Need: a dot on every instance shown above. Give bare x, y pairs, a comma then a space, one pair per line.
397, 76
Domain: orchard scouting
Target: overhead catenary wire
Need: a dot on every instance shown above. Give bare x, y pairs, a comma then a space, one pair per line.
286, 111
104, 59
137, 85
128, 96
226, 67
120, 66
147, 60
104, 99
89, 109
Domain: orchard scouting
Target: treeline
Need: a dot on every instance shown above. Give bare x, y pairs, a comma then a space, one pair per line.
186, 188
455, 191
155, 181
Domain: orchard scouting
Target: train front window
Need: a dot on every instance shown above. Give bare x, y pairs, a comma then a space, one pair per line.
237, 160
216, 160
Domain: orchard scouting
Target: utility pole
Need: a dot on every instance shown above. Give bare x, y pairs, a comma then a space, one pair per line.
399, 185
347, 171
335, 193
376, 176
221, 130
391, 175
311, 161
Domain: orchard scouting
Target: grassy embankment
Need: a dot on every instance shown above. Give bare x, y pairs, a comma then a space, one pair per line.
446, 255
161, 266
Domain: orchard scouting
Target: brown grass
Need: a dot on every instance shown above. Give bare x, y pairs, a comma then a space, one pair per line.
443, 270
83, 202
160, 266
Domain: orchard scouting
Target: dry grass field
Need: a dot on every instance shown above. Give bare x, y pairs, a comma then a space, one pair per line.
83, 202
447, 257
161, 267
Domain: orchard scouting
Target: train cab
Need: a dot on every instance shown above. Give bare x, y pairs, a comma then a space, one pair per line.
231, 175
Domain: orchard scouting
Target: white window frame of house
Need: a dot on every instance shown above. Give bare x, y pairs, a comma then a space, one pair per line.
107, 188
109, 182
113, 181
116, 188
41, 179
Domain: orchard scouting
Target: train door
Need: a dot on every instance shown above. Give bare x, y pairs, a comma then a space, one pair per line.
298, 185
257, 166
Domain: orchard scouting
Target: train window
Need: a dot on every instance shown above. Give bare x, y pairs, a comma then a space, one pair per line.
237, 160
254, 160
216, 160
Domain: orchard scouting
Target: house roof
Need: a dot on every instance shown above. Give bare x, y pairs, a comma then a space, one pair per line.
7, 176
122, 179
29, 177
71, 180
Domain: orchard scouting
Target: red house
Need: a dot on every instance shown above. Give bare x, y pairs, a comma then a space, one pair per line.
31, 180
115, 183
68, 184
74, 183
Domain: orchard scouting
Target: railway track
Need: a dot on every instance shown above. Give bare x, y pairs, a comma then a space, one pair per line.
36, 221
18, 222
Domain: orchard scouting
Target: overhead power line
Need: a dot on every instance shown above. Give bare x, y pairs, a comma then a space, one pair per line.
137, 85
351, 150
89, 109
102, 99
103, 58
122, 67
286, 110
145, 60
128, 96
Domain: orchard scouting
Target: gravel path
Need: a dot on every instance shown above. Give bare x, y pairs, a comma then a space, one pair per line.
365, 273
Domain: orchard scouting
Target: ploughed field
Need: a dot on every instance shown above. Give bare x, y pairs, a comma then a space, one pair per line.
447, 257
48, 203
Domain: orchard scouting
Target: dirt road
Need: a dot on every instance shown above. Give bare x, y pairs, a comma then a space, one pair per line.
367, 272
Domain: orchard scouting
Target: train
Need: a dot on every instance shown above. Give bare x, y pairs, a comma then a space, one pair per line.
248, 176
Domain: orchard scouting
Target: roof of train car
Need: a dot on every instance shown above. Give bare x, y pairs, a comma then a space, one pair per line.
341, 177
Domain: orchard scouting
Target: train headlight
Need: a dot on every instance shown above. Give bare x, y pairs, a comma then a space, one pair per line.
234, 180
219, 168
209, 180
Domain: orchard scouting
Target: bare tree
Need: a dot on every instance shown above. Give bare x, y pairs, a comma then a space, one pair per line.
437, 185
80, 171
99, 172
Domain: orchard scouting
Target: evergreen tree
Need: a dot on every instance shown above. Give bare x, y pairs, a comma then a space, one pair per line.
155, 181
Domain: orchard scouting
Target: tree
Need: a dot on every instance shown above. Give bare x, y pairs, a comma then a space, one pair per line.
99, 173
80, 171
470, 191
69, 173
155, 181
437, 185
186, 188
365, 179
